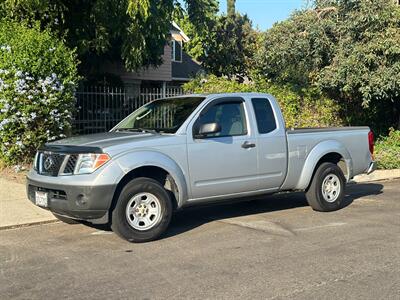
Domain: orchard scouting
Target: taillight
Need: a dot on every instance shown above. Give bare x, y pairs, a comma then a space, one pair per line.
371, 142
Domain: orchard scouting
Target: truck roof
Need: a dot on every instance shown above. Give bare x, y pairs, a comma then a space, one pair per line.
209, 95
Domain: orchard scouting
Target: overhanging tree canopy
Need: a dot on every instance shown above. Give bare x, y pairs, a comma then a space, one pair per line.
134, 30
350, 49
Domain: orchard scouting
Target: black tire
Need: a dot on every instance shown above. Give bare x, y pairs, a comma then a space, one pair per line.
119, 220
314, 194
66, 220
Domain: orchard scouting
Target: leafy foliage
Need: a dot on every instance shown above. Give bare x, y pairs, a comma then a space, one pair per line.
226, 44
231, 7
230, 50
387, 151
147, 32
134, 30
37, 81
199, 31
350, 49
302, 107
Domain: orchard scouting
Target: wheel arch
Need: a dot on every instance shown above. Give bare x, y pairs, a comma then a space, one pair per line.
157, 166
327, 151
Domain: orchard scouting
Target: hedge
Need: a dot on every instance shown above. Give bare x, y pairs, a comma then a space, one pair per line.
387, 150
301, 107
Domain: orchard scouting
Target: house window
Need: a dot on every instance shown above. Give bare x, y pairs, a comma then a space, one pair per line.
177, 51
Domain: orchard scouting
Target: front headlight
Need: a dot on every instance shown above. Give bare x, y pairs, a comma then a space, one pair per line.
89, 162
36, 161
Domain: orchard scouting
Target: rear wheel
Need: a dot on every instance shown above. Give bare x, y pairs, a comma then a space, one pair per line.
143, 211
326, 192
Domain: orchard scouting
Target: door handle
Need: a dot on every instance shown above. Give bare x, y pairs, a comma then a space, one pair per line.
247, 145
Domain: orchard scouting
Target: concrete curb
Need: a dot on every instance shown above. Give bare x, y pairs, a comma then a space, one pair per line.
377, 175
8, 227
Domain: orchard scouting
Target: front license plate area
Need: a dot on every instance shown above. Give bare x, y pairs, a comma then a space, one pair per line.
41, 198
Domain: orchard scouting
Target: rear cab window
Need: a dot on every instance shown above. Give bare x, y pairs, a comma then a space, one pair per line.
265, 117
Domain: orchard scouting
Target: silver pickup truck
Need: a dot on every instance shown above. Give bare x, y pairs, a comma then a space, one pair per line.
188, 150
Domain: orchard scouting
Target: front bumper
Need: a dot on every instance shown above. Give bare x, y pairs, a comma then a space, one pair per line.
372, 167
83, 202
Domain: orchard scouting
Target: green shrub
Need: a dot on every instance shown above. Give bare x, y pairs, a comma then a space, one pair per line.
387, 150
301, 107
38, 76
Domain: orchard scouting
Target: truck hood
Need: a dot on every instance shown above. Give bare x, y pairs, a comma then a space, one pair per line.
107, 141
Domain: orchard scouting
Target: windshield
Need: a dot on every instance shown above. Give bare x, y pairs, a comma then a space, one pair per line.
163, 116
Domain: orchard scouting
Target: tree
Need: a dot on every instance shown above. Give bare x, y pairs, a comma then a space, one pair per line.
350, 49
230, 50
224, 44
231, 7
134, 30
200, 31
366, 67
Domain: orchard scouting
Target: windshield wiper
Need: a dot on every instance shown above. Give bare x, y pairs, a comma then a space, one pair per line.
144, 130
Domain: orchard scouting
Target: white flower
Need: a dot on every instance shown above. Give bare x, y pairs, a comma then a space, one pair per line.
20, 86
6, 48
17, 168
33, 115
6, 108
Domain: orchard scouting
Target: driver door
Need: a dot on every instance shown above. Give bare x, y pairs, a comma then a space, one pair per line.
222, 163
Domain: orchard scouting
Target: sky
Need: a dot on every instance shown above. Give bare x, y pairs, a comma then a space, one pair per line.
264, 13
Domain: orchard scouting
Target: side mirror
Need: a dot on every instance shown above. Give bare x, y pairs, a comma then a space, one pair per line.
206, 129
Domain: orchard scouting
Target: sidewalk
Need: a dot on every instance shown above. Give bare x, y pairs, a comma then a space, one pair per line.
378, 175
16, 210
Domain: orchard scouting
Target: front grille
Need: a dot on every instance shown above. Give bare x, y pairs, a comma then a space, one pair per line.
50, 163
53, 164
70, 165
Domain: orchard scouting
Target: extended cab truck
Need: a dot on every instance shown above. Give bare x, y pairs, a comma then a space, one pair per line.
188, 150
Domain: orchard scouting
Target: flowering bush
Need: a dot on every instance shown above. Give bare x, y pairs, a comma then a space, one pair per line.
37, 81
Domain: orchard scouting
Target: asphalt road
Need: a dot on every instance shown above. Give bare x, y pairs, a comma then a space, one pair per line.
272, 248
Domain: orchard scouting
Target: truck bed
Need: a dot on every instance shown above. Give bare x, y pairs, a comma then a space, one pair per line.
323, 129
351, 143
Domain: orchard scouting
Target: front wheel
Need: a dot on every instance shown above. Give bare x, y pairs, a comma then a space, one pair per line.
143, 211
326, 192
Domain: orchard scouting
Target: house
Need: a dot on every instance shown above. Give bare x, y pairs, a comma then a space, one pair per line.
177, 67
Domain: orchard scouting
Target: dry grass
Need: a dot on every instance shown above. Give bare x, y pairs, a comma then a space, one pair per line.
9, 173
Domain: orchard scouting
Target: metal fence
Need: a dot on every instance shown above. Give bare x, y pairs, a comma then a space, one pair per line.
99, 108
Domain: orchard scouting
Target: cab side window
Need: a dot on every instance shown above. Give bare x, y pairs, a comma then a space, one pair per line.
229, 115
264, 115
